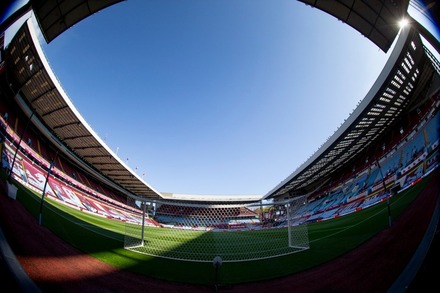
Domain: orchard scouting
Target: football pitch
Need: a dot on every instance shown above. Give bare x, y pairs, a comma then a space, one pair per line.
205, 246
104, 239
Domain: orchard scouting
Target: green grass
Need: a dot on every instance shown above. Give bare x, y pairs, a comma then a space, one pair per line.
205, 245
104, 239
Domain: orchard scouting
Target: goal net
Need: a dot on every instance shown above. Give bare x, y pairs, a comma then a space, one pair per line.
200, 232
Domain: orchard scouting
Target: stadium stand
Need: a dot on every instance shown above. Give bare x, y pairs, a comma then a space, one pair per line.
388, 144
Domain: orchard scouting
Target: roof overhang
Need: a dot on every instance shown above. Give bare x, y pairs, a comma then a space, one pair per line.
211, 197
39, 94
376, 20
56, 16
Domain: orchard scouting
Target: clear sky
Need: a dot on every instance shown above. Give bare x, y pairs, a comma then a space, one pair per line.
214, 97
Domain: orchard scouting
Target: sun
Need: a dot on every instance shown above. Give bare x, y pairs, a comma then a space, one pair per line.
403, 22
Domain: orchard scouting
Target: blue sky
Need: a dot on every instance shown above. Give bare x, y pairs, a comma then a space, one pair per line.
214, 97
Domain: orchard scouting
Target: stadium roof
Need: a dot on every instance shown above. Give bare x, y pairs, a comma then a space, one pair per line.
377, 20
53, 16
41, 94
38, 92
56, 16
400, 87
211, 197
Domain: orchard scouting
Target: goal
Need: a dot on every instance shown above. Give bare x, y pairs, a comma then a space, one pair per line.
202, 231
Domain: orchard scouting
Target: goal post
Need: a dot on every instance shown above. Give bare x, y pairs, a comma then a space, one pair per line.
201, 231
297, 226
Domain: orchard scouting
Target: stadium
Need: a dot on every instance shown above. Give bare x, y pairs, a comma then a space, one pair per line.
359, 215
